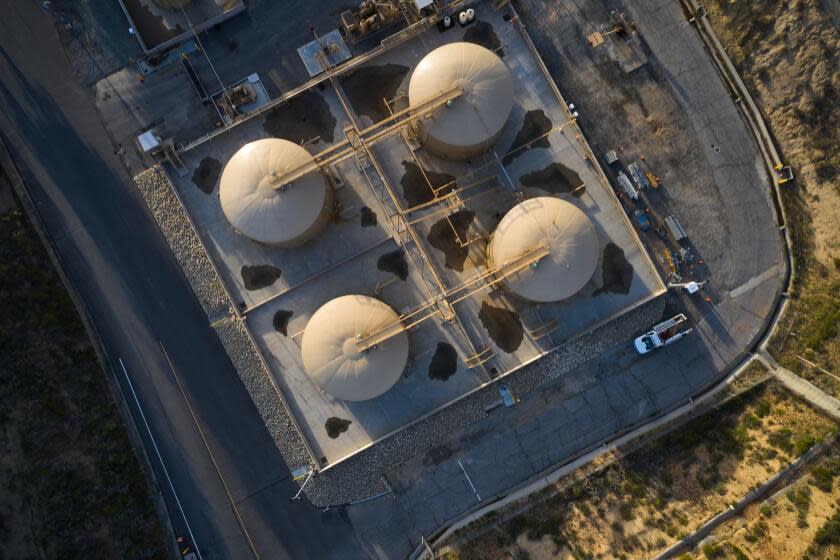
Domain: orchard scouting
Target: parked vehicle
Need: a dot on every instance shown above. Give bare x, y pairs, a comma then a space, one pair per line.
662, 334
642, 219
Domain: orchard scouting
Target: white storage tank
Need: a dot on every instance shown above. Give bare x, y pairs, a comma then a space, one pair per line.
260, 208
335, 354
472, 122
562, 229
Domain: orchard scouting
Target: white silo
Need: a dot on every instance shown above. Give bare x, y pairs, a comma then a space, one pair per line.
337, 353
556, 226
470, 123
259, 207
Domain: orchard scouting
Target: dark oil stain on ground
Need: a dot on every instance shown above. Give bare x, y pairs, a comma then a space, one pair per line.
206, 174
442, 237
535, 125
281, 321
368, 217
503, 326
304, 117
555, 179
481, 33
259, 276
617, 274
369, 87
437, 455
394, 262
336, 426
444, 363
415, 187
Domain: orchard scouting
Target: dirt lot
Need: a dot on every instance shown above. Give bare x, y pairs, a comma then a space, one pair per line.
808, 508
650, 498
787, 54
70, 484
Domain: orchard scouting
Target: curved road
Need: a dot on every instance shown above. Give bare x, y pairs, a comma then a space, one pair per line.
137, 296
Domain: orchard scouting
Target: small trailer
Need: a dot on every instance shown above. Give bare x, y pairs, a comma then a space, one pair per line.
639, 177
627, 185
662, 334
675, 228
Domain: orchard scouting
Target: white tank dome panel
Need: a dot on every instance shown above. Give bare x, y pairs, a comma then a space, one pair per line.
472, 122
560, 227
288, 216
331, 355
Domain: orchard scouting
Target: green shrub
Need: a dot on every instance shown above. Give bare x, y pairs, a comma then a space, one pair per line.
801, 499
712, 551
755, 532
823, 478
780, 439
762, 409
738, 553
825, 327
829, 534
803, 444
750, 421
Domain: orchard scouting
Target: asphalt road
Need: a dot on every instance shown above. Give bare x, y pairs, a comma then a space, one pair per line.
137, 296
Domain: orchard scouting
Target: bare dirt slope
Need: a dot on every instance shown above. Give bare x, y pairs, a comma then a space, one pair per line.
788, 54
807, 508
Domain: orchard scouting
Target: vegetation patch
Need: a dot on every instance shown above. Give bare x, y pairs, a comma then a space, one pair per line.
70, 484
788, 55
648, 500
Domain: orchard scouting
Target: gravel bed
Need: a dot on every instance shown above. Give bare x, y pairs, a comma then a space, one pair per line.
264, 393
157, 190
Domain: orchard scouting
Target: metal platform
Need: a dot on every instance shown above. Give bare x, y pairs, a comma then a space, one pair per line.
324, 52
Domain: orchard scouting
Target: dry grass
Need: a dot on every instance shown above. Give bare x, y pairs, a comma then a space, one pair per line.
70, 485
665, 490
788, 54
808, 508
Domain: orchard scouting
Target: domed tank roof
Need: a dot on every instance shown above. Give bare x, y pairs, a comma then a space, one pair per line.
563, 230
472, 122
287, 216
331, 354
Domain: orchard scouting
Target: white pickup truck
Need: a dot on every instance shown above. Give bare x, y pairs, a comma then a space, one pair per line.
662, 334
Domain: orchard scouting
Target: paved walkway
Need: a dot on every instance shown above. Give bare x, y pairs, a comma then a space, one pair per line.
800, 386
